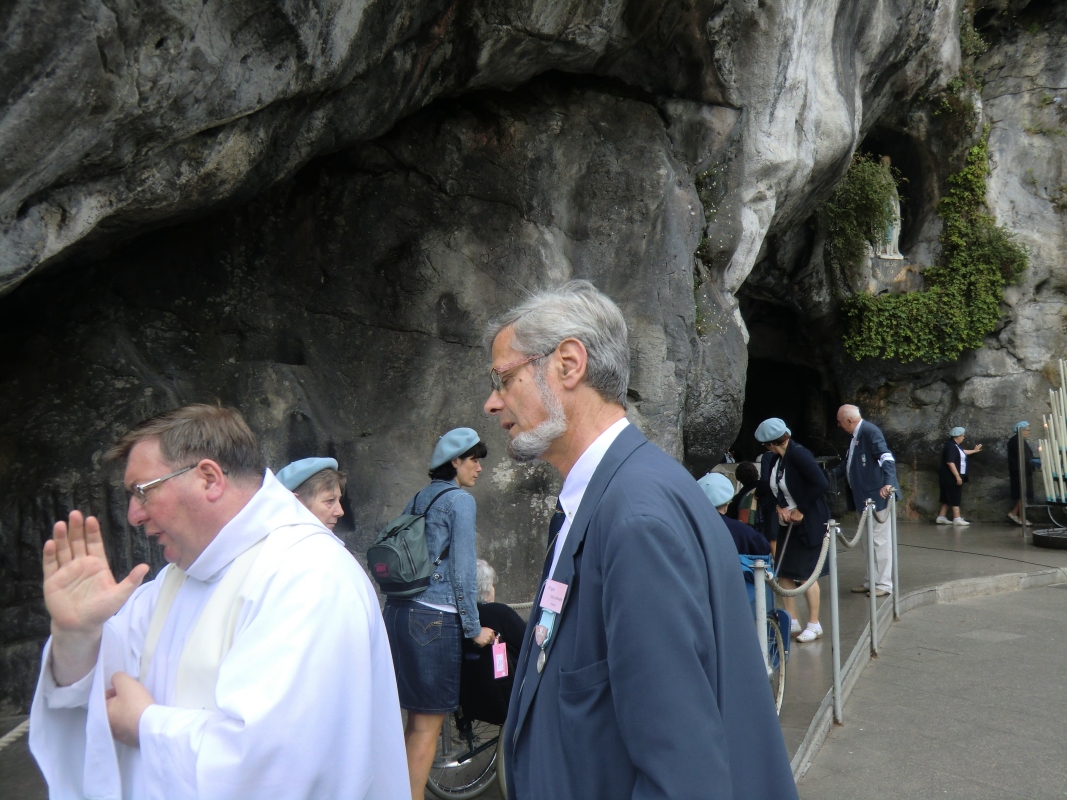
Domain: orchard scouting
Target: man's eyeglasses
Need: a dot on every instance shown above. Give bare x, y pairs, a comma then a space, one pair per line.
140, 490
495, 373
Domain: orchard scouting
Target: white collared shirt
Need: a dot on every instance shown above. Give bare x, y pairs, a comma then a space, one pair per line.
570, 496
852, 446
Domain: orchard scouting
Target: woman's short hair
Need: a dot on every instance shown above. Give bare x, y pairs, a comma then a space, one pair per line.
486, 579
191, 433
747, 472
575, 310
324, 479
447, 472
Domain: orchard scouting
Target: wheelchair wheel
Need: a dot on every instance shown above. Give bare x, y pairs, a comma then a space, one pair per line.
777, 657
466, 760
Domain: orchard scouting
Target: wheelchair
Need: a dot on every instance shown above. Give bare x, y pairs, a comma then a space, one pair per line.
778, 623
469, 757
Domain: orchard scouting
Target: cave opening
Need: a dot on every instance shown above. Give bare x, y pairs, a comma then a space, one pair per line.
788, 377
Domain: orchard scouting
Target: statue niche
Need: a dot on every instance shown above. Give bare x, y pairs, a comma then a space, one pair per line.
887, 248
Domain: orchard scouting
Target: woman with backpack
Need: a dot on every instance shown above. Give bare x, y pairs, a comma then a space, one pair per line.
427, 629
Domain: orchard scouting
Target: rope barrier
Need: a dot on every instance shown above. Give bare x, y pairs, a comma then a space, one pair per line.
859, 529
778, 590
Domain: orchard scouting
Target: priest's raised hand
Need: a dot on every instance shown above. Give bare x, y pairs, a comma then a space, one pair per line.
81, 594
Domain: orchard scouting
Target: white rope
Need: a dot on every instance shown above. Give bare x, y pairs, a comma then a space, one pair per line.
778, 590
12, 736
859, 529
521, 606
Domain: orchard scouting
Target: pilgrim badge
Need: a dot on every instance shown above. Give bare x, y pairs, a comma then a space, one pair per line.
540, 634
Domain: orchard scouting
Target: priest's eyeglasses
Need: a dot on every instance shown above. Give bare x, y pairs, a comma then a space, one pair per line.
140, 490
495, 373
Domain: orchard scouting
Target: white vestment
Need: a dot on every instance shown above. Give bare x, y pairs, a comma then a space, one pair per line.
304, 703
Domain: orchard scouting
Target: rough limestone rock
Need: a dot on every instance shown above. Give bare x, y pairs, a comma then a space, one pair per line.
310, 213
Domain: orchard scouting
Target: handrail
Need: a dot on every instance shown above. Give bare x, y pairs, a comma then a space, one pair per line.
778, 590
859, 530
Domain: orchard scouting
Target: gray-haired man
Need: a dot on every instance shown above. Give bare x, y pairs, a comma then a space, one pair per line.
871, 472
640, 674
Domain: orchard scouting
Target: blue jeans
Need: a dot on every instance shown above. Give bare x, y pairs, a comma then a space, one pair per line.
427, 652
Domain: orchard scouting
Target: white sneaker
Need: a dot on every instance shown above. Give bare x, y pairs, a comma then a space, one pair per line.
1015, 519
794, 627
960, 521
943, 521
810, 633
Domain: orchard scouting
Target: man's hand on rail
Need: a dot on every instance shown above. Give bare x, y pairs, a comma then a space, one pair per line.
886, 491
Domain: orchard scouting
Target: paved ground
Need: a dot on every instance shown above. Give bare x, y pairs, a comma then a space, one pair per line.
929, 555
967, 700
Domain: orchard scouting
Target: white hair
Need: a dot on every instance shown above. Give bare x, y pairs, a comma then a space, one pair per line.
851, 411
575, 310
486, 579
530, 445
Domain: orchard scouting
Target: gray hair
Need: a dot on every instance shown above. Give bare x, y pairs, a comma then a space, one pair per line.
575, 310
486, 579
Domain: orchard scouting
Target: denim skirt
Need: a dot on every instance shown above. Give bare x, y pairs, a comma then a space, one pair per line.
427, 648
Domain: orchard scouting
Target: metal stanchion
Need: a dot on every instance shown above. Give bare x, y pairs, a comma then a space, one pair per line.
835, 623
1021, 442
759, 574
896, 570
872, 590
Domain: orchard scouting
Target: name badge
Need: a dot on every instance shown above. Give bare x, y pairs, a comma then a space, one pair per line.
552, 596
500, 660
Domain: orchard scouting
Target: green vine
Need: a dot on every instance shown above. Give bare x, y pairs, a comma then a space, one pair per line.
961, 301
859, 211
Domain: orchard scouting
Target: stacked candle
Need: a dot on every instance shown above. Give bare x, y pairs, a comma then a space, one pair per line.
1051, 448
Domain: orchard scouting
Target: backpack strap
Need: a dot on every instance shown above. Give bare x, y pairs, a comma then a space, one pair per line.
444, 553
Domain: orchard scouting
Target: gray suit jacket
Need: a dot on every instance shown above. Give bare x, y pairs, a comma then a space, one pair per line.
654, 686
872, 468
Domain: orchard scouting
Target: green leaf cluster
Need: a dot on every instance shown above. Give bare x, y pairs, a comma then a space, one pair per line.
961, 301
859, 211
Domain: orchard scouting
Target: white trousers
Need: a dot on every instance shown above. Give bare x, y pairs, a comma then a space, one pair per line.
883, 553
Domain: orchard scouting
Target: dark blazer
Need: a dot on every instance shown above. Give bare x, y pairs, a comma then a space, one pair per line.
747, 540
654, 686
950, 454
872, 468
807, 484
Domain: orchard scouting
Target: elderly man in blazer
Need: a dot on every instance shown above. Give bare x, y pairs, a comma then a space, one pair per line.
871, 472
640, 674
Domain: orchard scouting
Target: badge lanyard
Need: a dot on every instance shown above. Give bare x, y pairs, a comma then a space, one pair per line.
551, 604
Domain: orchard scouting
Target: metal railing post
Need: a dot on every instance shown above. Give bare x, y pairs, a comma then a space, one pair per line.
759, 574
1021, 442
896, 570
835, 620
872, 589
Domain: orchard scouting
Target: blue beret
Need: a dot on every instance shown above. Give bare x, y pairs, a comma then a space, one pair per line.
452, 445
1021, 425
296, 473
771, 429
718, 488
957, 431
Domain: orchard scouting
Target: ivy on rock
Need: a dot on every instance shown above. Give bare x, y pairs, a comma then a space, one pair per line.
961, 302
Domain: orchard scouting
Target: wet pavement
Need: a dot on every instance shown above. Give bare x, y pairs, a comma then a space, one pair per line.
929, 555
966, 700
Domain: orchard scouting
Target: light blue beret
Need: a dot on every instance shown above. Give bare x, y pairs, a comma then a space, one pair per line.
771, 429
453, 444
1021, 425
296, 473
718, 488
957, 431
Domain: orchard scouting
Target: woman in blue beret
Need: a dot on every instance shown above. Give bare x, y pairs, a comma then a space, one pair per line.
951, 475
797, 483
317, 484
426, 631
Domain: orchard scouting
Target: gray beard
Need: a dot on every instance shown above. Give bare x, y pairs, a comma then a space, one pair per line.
530, 446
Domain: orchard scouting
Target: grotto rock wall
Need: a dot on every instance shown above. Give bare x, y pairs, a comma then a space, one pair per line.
309, 212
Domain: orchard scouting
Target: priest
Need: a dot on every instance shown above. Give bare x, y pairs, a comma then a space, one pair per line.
256, 664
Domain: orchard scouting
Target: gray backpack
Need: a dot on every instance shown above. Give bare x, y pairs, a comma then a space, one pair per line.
399, 559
